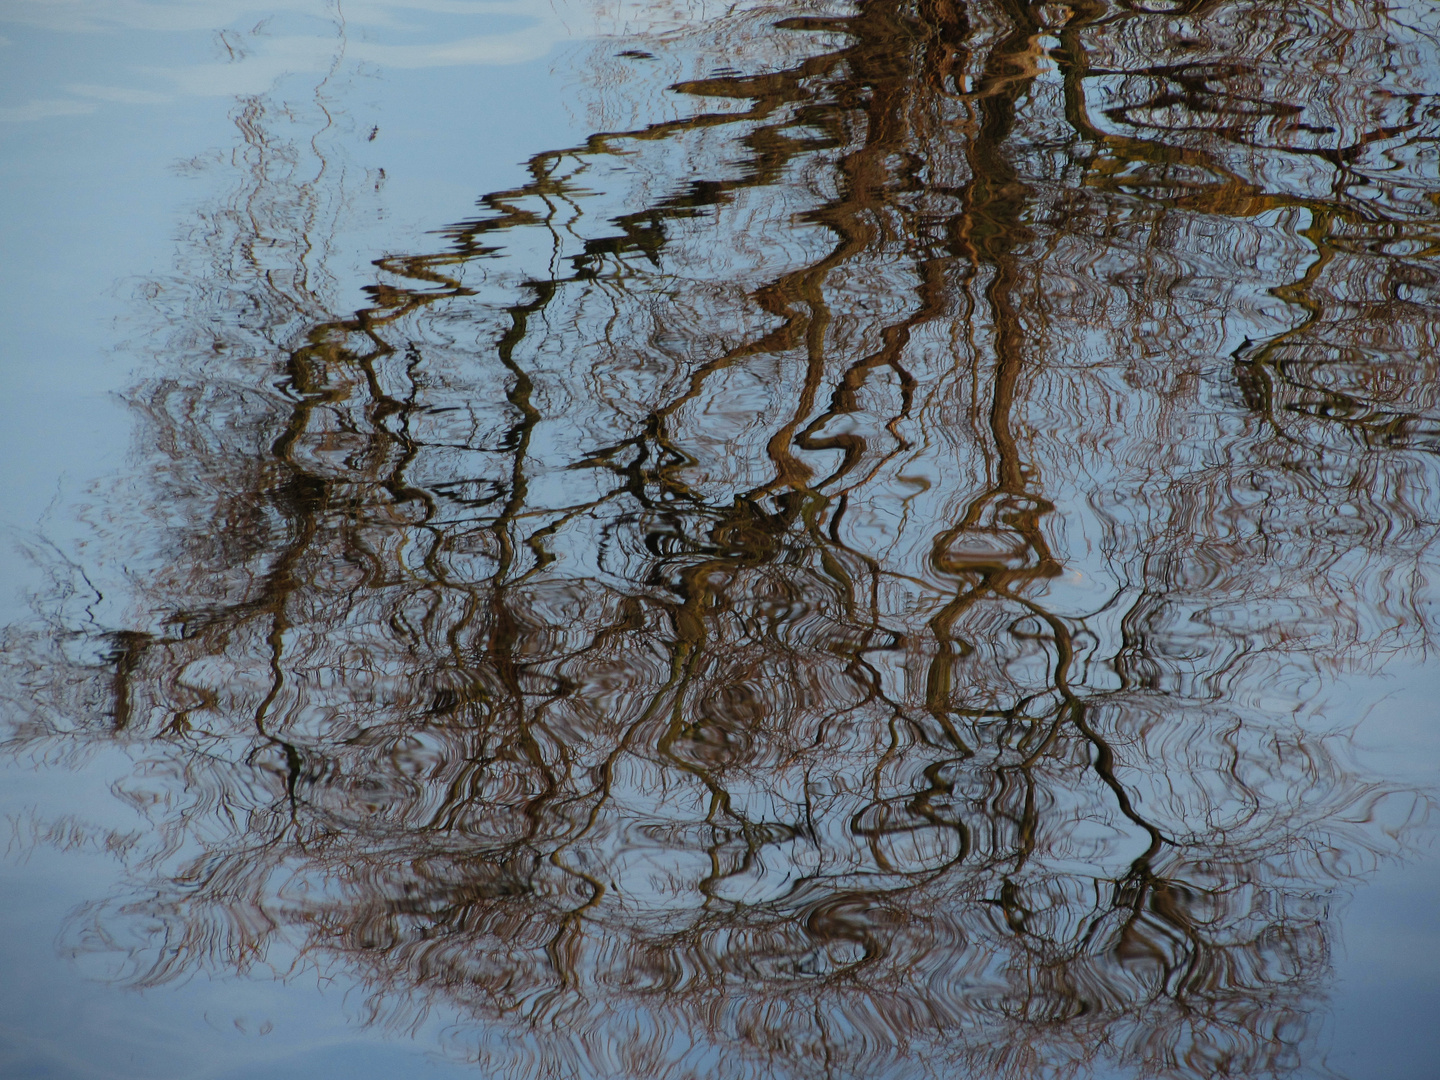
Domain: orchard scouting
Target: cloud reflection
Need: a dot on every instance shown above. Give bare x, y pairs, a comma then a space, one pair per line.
260, 43
841, 581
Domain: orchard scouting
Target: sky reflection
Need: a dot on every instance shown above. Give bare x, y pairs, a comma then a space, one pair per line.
874, 559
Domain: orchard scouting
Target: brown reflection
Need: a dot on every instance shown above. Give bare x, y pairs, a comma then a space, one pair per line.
836, 584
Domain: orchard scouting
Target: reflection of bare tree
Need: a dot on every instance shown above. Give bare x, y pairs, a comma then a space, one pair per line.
824, 585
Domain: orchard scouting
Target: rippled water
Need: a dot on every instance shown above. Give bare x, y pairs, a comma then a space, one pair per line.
856, 568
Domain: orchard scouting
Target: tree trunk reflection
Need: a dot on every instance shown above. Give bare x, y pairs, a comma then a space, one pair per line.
834, 584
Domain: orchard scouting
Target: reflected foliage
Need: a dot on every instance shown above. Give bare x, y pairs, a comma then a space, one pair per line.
840, 582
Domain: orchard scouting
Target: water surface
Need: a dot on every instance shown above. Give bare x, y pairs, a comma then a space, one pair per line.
898, 545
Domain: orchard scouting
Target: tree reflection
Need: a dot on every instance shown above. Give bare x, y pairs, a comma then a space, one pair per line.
832, 584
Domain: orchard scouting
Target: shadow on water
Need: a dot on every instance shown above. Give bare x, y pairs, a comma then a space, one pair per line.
840, 583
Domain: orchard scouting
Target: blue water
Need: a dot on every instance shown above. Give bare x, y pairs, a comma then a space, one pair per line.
174, 172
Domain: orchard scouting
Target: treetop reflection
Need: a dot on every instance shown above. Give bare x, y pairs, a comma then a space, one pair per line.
839, 582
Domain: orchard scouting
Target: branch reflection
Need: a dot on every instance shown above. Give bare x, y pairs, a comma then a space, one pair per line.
834, 584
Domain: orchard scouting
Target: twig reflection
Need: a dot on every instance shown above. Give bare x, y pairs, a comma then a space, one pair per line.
851, 611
